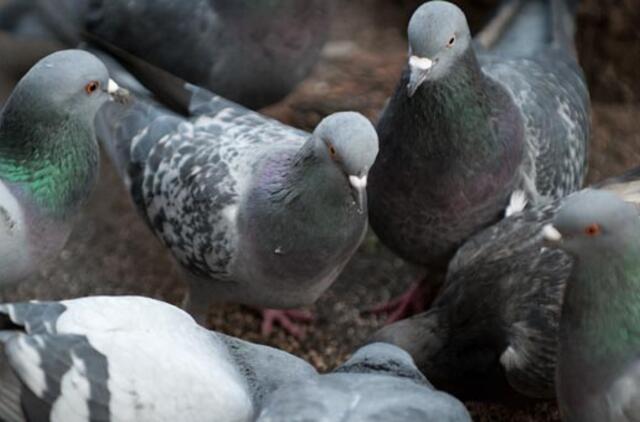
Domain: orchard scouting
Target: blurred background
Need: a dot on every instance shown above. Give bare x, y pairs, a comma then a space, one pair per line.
112, 252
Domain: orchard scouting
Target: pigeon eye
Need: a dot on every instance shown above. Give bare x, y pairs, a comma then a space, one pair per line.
92, 87
592, 230
452, 40
332, 151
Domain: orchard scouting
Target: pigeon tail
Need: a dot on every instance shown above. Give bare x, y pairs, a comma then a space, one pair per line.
524, 27
160, 101
563, 19
12, 12
65, 18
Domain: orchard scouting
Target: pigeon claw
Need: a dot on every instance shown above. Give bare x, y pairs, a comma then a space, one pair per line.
287, 320
411, 302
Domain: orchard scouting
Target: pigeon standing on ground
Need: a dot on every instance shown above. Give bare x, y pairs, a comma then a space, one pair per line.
253, 52
130, 359
48, 157
492, 331
598, 374
379, 383
471, 125
254, 211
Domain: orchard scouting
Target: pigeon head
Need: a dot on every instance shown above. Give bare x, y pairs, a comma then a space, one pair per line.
349, 141
438, 35
594, 222
69, 82
383, 358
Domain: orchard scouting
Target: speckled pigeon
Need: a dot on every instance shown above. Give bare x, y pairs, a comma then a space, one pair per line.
470, 124
254, 211
130, 358
48, 157
379, 383
492, 331
598, 373
253, 52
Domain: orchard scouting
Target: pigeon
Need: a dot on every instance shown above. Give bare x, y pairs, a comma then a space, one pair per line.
379, 383
470, 125
598, 371
253, 52
128, 358
48, 157
255, 212
492, 332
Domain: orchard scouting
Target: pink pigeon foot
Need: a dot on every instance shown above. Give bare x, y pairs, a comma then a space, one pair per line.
287, 320
411, 302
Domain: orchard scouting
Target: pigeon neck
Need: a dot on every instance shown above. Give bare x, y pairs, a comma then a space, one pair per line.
601, 312
53, 158
304, 194
459, 105
309, 175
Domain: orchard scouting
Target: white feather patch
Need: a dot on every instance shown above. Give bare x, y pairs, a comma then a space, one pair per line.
177, 369
517, 203
73, 403
422, 63
15, 260
624, 393
25, 359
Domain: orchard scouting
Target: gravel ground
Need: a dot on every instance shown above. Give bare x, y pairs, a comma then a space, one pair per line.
112, 252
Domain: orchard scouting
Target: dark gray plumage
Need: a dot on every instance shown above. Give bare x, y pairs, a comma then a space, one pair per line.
253, 52
254, 211
598, 373
470, 124
492, 331
130, 359
379, 383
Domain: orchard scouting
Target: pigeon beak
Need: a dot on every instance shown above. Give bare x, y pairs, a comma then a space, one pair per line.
116, 93
359, 186
551, 235
112, 87
419, 69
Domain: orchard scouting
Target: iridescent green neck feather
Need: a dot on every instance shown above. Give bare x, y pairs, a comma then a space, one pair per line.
601, 314
466, 110
51, 157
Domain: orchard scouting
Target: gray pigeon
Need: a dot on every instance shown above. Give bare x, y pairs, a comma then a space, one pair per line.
379, 383
598, 373
469, 125
492, 331
48, 157
253, 52
127, 358
254, 211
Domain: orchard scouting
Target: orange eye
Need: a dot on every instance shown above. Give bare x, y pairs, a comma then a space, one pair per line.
452, 40
92, 87
592, 230
332, 151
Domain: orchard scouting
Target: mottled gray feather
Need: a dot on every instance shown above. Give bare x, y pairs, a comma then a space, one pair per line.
493, 328
253, 210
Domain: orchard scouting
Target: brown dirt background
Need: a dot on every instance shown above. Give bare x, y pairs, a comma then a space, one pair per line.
112, 252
